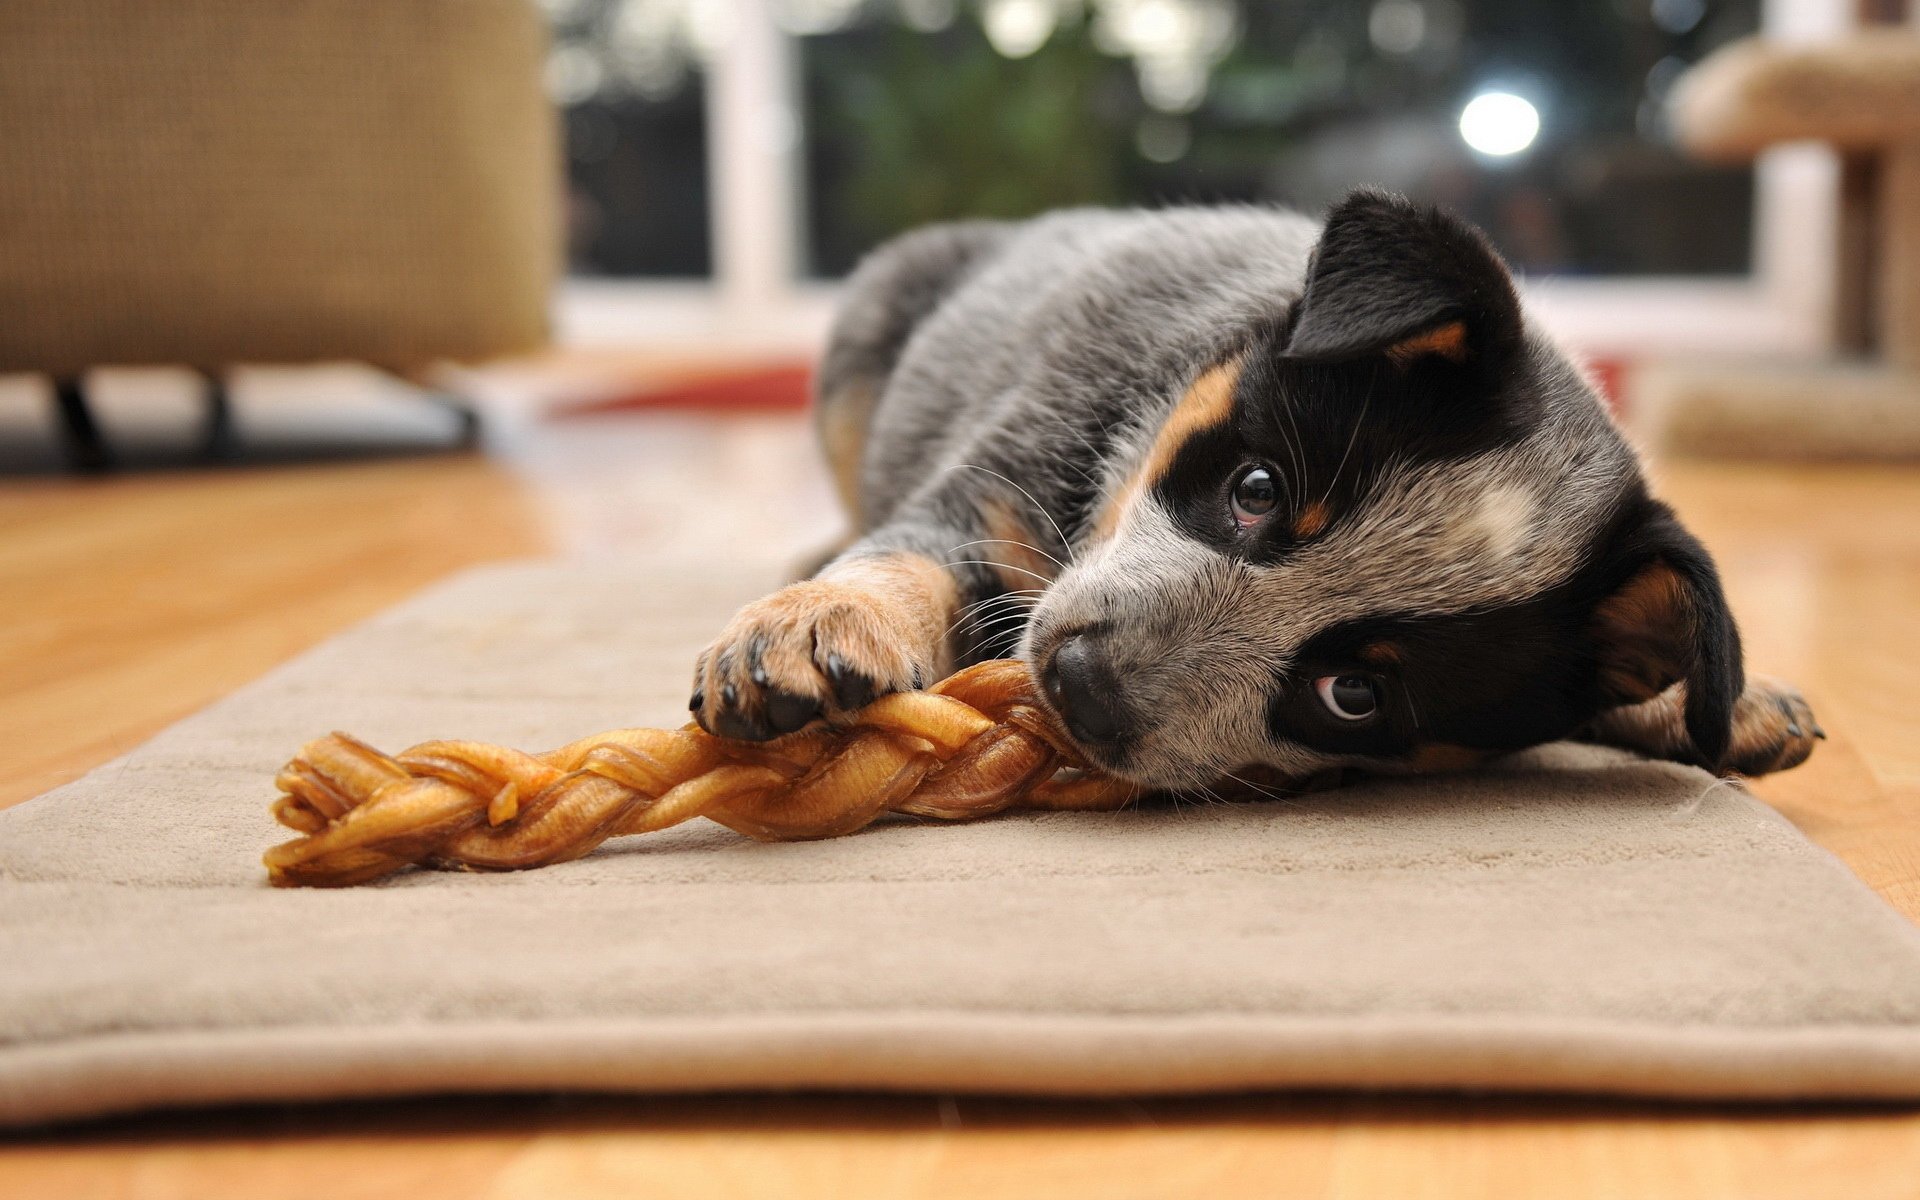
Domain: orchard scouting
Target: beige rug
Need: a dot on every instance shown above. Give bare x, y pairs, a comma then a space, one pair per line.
1576, 921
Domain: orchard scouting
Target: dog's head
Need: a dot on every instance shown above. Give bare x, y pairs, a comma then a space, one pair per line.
1397, 531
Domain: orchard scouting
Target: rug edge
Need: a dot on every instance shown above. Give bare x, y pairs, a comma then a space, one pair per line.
1001, 1054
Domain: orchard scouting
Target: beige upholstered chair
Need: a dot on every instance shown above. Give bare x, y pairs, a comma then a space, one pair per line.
215, 182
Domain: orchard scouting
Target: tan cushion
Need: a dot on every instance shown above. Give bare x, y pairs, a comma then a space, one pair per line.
1860, 92
218, 181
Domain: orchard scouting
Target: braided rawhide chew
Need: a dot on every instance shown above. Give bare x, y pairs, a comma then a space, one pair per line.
971, 745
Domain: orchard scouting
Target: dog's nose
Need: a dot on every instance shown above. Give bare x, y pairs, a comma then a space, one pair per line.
1082, 686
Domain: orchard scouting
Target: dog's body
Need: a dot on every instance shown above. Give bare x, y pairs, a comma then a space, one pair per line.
1248, 490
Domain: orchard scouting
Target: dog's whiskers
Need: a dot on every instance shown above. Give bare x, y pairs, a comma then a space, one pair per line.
1027, 596
1006, 622
1081, 437
1000, 566
1295, 451
1065, 543
978, 625
1009, 542
1352, 440
1019, 604
1266, 792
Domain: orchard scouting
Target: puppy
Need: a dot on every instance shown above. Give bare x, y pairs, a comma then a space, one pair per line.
1247, 490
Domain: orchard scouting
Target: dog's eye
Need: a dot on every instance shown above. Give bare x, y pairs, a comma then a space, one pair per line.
1253, 495
1349, 697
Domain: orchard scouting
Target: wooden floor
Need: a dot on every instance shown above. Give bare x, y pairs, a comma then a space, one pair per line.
131, 601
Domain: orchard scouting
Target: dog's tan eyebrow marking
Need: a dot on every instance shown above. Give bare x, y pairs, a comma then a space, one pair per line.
1381, 654
1207, 404
1311, 520
1449, 341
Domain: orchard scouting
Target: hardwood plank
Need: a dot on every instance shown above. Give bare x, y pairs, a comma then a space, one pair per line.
133, 601
938, 1148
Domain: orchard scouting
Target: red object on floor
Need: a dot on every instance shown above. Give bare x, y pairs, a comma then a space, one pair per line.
783, 388
1610, 376
787, 387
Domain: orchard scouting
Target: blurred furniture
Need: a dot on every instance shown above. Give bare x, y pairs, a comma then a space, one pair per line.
216, 182
1861, 94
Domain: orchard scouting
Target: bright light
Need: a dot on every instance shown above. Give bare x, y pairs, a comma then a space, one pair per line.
1174, 44
1499, 123
1018, 27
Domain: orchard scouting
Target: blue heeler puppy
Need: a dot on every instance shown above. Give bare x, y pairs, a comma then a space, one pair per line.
1246, 489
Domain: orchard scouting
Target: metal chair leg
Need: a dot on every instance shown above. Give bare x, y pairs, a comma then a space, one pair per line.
86, 449
469, 417
219, 438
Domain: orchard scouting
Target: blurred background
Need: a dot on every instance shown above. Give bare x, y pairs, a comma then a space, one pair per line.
305, 305
760, 149
1544, 123
722, 163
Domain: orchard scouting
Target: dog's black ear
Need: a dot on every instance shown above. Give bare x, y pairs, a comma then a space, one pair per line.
1668, 623
1406, 281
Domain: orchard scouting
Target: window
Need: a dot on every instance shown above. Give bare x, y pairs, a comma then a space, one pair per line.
766, 144
629, 81
1541, 122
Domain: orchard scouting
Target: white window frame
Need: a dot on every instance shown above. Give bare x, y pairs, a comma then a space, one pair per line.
757, 305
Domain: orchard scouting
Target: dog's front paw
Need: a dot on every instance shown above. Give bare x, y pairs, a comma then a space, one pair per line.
811, 649
1773, 729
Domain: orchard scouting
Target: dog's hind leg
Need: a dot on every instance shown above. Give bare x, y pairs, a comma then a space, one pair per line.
1773, 728
887, 298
